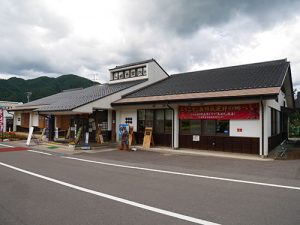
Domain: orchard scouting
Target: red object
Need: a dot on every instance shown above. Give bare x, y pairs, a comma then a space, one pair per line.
219, 112
1, 120
239, 130
13, 149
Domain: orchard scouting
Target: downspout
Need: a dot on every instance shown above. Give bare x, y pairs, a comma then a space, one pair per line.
263, 128
173, 119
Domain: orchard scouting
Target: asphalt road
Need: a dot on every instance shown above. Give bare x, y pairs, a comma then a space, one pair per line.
142, 188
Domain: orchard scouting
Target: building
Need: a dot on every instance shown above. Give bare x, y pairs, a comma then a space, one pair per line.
7, 117
88, 108
236, 109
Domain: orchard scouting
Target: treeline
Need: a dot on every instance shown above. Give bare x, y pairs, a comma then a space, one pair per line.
15, 89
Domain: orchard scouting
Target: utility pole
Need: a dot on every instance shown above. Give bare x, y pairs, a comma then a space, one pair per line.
28, 95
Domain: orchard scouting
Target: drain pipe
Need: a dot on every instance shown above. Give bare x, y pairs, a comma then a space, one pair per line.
172, 124
263, 128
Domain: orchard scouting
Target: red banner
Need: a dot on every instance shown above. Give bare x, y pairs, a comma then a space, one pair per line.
219, 112
1, 120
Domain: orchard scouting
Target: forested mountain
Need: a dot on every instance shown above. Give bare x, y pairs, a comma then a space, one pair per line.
14, 89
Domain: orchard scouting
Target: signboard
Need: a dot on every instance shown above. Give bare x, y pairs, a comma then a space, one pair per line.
219, 112
148, 138
1, 120
196, 137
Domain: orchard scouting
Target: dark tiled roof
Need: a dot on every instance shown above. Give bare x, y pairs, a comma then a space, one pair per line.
250, 76
72, 99
132, 64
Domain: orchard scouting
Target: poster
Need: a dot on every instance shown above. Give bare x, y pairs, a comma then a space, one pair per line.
123, 128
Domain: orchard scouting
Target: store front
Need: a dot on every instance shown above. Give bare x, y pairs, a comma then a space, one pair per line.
209, 127
69, 126
160, 120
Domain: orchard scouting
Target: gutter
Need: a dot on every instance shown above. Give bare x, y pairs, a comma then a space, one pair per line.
173, 119
263, 128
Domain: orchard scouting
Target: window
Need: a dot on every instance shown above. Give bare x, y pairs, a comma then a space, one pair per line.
190, 126
208, 127
132, 73
204, 127
185, 126
116, 76
141, 120
140, 71
149, 118
159, 119
121, 75
222, 127
127, 74
168, 120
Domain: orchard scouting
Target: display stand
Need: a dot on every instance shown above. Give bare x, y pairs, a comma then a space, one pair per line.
68, 133
131, 140
148, 138
78, 136
99, 136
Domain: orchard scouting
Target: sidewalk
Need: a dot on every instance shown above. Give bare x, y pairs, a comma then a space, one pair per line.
184, 151
58, 148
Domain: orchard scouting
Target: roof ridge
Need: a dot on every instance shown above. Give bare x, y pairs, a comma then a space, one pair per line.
132, 64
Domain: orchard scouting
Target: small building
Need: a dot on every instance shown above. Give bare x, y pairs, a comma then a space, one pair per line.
7, 117
235, 109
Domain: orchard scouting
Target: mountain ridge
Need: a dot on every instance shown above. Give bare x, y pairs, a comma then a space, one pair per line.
14, 88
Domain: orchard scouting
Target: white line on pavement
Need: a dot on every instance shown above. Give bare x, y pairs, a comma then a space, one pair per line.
114, 198
186, 174
45, 153
9, 146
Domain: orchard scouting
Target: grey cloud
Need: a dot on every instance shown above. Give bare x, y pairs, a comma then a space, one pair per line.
20, 51
186, 17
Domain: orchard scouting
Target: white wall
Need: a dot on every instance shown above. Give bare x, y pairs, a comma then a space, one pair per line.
250, 128
129, 113
35, 119
17, 119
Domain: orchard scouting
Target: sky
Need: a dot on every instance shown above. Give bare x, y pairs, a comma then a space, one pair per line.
88, 37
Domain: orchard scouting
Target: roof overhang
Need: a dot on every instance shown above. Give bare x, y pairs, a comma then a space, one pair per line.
244, 93
26, 108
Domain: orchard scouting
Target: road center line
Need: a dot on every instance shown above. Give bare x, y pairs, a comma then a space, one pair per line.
9, 146
114, 198
186, 174
44, 153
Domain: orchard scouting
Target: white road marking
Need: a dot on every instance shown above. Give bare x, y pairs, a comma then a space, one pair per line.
186, 174
45, 153
114, 198
9, 146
